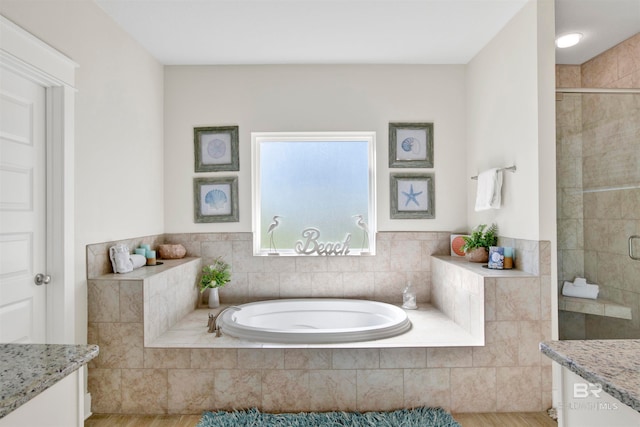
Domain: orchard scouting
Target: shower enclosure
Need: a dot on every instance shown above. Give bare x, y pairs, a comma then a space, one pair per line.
598, 195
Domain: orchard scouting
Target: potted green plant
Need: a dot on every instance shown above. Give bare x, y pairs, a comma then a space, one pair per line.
215, 276
477, 245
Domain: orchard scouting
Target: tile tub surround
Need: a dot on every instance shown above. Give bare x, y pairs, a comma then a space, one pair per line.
612, 363
133, 378
148, 300
27, 370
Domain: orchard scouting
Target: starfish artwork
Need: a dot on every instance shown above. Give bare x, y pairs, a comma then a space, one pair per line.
411, 196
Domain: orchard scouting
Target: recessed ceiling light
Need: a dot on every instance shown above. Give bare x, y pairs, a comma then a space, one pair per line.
568, 40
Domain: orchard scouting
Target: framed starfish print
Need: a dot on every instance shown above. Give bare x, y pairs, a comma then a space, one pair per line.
412, 196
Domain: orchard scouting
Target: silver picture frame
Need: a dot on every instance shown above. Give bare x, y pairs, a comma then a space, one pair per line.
412, 196
411, 145
215, 199
216, 149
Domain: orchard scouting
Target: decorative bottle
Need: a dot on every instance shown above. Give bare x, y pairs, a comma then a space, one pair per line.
409, 298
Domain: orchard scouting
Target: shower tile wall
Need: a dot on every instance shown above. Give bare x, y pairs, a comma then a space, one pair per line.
598, 151
507, 374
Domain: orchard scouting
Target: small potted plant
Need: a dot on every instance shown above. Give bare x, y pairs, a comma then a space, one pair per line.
477, 245
214, 276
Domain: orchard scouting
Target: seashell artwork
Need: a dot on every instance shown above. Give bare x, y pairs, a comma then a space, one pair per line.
411, 145
216, 148
216, 199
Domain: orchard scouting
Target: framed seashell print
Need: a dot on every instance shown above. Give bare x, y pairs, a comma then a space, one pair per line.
410, 145
215, 199
216, 149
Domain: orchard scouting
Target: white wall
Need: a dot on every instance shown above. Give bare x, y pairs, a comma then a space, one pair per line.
314, 98
505, 89
118, 126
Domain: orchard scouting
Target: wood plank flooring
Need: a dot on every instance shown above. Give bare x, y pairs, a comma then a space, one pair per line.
502, 419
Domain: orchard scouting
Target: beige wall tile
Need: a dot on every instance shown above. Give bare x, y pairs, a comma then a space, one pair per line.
568, 76
238, 389
529, 336
473, 390
103, 301
427, 387
168, 358
501, 345
272, 358
519, 299
519, 388
144, 391
446, 357
106, 391
403, 358
332, 390
295, 285
358, 284
359, 358
120, 345
131, 301
327, 284
297, 358
190, 391
379, 389
214, 358
285, 390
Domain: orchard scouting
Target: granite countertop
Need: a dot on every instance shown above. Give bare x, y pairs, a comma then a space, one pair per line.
615, 364
26, 370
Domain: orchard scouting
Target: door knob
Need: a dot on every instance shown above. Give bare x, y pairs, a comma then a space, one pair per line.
42, 279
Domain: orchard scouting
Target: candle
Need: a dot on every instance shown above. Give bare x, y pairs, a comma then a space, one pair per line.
141, 251
146, 247
151, 257
508, 257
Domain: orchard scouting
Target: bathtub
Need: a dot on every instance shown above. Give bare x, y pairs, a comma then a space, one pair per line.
314, 321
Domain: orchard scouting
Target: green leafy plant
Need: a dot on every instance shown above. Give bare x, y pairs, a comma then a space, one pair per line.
215, 275
481, 237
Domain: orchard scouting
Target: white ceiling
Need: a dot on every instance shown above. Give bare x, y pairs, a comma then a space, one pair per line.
351, 31
603, 23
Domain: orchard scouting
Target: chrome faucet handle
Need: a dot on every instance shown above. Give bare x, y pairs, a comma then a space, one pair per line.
211, 323
216, 326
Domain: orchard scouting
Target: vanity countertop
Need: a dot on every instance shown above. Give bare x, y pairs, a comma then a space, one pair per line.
612, 363
26, 370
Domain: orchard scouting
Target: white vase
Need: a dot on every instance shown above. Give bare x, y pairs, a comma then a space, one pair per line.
214, 298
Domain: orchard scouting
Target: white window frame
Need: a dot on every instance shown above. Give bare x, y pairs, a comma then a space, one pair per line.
258, 138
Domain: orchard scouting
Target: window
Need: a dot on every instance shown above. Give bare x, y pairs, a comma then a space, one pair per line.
314, 193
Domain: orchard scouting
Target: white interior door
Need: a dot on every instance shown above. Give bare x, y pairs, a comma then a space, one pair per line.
22, 209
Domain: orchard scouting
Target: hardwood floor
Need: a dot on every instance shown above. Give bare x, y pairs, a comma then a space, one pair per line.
503, 419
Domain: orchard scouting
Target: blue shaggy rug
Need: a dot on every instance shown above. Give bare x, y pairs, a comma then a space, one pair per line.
419, 417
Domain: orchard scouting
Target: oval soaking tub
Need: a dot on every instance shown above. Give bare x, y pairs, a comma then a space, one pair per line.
314, 321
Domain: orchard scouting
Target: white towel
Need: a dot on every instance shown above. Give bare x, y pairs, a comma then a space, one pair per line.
580, 291
579, 281
138, 260
489, 189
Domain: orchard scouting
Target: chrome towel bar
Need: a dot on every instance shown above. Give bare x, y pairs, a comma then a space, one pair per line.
508, 169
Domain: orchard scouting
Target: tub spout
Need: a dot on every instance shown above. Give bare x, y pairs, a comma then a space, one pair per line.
213, 325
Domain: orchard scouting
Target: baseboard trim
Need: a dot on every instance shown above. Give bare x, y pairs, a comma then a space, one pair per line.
87, 405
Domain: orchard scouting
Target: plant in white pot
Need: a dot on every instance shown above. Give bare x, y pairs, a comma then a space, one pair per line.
215, 276
477, 245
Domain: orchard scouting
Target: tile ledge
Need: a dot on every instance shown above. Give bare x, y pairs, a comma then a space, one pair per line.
597, 307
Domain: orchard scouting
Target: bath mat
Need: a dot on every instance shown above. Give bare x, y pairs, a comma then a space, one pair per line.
418, 417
